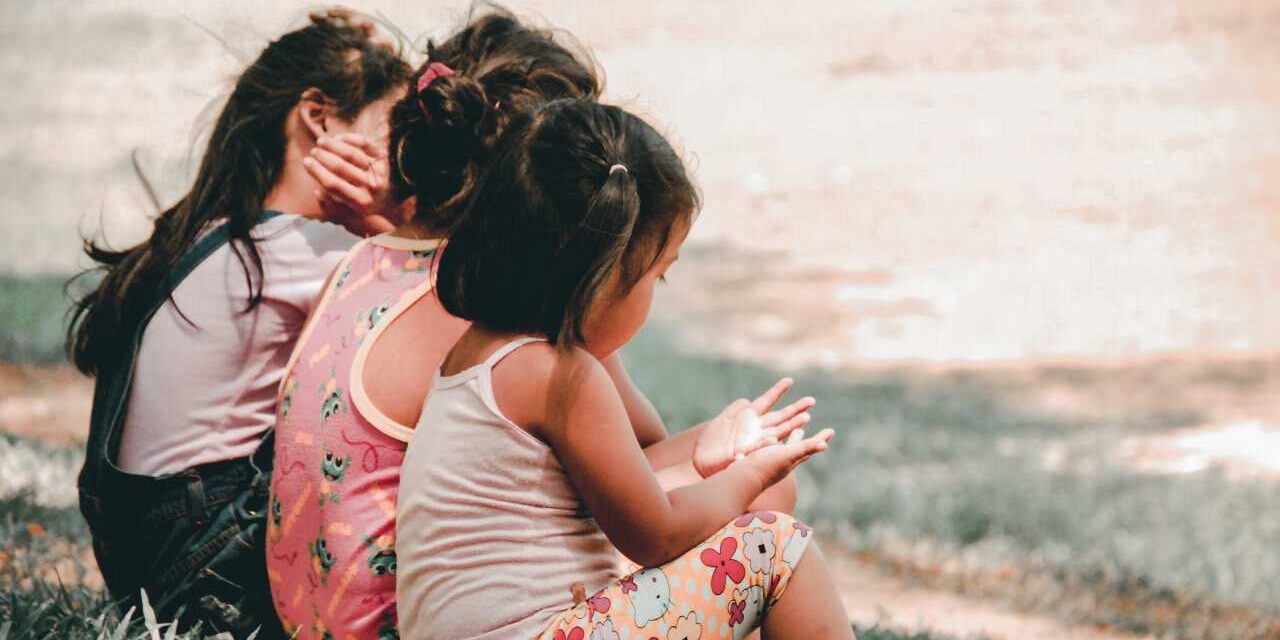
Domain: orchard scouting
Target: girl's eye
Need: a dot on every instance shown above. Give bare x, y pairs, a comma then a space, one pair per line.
662, 278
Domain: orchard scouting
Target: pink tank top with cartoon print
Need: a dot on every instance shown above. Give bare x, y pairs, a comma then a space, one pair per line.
331, 556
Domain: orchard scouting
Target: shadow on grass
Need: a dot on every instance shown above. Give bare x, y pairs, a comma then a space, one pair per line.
932, 468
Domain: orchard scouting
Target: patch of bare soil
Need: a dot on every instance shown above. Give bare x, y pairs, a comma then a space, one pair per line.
872, 595
49, 403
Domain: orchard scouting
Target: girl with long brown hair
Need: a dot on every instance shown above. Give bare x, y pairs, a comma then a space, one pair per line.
188, 332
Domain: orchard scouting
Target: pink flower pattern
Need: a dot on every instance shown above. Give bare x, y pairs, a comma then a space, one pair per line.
723, 564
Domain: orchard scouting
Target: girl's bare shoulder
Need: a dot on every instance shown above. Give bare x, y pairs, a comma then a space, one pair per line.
538, 381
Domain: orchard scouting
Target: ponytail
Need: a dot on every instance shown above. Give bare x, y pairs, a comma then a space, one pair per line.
609, 223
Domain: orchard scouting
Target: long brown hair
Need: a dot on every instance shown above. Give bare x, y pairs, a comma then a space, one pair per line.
243, 160
443, 135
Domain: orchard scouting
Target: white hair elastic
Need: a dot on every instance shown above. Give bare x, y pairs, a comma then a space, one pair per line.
617, 167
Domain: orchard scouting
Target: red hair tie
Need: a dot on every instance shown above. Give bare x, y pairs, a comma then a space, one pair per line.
434, 70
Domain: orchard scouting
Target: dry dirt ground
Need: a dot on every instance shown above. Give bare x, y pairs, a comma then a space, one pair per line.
871, 595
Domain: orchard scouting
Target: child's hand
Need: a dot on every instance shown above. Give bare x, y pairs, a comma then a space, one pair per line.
352, 171
345, 16
773, 463
746, 426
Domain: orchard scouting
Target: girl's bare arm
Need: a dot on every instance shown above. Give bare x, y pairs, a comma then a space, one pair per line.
569, 401
645, 420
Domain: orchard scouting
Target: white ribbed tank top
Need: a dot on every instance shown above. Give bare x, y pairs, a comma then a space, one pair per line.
490, 534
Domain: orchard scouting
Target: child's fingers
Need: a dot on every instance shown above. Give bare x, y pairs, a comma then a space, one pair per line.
356, 171
373, 147
357, 148
336, 186
812, 444
766, 400
819, 442
785, 429
790, 411
349, 149
767, 441
801, 448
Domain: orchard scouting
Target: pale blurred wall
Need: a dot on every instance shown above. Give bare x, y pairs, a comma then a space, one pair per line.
999, 179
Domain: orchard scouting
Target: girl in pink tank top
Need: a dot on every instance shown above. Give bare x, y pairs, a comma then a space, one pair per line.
331, 554
331, 535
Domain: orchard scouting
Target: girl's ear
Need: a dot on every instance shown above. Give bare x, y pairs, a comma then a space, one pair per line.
313, 110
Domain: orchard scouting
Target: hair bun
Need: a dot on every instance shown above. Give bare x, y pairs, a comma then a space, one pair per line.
443, 135
455, 102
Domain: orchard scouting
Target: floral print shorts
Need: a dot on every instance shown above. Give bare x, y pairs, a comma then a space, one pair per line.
720, 589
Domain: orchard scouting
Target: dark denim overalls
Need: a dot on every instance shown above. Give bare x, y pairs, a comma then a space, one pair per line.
194, 540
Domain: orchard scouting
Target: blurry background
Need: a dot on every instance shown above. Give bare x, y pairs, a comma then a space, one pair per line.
1025, 253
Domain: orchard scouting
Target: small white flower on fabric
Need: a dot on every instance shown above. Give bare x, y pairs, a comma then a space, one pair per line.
605, 631
759, 548
686, 628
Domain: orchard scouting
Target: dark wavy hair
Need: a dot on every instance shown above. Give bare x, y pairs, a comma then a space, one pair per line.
551, 219
243, 160
441, 137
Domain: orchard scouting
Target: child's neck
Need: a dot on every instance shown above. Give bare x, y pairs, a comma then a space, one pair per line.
294, 191
476, 343
415, 230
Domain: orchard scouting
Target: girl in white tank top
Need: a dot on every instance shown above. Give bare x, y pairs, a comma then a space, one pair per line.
524, 475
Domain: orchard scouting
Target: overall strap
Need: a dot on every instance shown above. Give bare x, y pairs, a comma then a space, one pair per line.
115, 380
98, 478
210, 243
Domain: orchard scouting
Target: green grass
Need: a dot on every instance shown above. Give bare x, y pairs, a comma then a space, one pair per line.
38, 603
917, 472
33, 317
942, 469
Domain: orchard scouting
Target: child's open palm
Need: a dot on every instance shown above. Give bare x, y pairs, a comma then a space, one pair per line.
746, 426
773, 463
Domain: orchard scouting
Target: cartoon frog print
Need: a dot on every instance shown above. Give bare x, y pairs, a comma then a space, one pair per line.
286, 399
277, 512
333, 403
367, 320
343, 276
389, 632
321, 558
418, 262
275, 518
382, 557
334, 469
